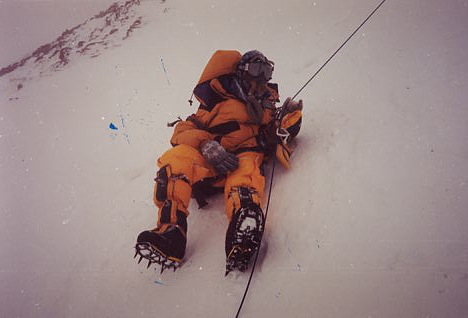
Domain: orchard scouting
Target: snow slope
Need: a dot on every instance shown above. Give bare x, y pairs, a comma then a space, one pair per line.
369, 222
26, 25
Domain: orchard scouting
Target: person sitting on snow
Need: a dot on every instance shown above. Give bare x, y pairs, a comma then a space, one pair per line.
223, 146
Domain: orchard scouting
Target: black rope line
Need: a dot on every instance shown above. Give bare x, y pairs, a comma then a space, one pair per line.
260, 244
344, 43
274, 157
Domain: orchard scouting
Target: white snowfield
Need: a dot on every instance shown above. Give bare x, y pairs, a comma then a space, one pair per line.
370, 221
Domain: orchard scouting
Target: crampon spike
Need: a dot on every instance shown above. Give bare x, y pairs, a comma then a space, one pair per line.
154, 256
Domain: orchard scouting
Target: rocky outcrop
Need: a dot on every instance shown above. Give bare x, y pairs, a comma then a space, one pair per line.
104, 30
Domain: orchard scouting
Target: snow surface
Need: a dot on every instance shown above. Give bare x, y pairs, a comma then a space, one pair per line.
371, 220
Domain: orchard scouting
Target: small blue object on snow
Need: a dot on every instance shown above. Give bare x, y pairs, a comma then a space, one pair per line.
113, 127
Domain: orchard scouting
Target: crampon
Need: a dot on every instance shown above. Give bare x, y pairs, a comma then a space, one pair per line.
238, 259
154, 256
243, 237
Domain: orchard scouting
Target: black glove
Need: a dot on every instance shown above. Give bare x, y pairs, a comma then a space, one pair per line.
219, 158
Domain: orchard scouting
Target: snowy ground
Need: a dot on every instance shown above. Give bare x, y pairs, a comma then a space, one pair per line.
370, 221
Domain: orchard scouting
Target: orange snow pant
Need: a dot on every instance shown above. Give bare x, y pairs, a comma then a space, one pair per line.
182, 166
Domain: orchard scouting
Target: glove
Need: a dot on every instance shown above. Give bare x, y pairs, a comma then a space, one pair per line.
218, 157
290, 119
290, 106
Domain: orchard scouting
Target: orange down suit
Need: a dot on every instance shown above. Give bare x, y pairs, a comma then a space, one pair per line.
221, 116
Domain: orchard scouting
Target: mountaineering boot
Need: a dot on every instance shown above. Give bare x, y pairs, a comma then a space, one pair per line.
164, 245
243, 236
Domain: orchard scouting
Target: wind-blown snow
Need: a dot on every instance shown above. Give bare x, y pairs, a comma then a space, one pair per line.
369, 222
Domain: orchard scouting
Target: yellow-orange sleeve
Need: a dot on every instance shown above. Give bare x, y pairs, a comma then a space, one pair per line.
187, 133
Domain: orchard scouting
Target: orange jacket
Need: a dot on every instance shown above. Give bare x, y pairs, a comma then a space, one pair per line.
223, 113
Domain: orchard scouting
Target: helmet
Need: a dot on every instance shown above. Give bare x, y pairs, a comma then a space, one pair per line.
256, 66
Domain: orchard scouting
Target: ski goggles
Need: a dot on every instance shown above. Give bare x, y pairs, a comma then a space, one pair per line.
258, 68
